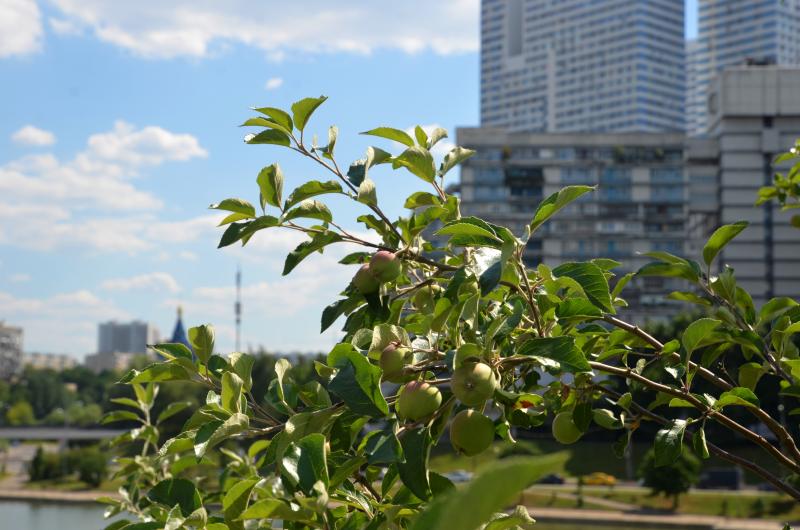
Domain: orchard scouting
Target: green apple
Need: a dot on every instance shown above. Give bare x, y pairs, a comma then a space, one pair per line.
385, 266
364, 281
425, 297
393, 359
418, 400
564, 429
471, 432
473, 383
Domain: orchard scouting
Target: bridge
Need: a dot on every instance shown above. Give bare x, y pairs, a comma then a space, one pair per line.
61, 434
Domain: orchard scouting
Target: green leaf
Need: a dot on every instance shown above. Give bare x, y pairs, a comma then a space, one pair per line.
230, 399
172, 350
749, 375
312, 466
172, 409
699, 443
310, 189
591, 279
270, 184
156, 373
456, 155
577, 309
555, 202
669, 443
738, 396
303, 109
519, 518
416, 444
242, 364
493, 490
202, 340
269, 136
309, 209
466, 227
421, 136
437, 134
561, 349
366, 193
282, 366
239, 206
696, 332
176, 491
721, 237
128, 402
418, 161
689, 297
421, 198
304, 249
120, 415
392, 134
215, 432
357, 383
236, 499
657, 268
278, 116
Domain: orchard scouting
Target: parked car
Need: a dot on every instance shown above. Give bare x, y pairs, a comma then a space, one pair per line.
722, 478
552, 478
599, 479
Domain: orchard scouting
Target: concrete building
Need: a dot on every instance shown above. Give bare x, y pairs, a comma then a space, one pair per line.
49, 361
110, 361
10, 350
754, 116
731, 32
126, 337
583, 65
640, 204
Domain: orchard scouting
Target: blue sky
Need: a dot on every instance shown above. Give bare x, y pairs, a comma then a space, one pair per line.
118, 126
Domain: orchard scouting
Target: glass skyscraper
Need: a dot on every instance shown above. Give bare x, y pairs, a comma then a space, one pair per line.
583, 65
731, 32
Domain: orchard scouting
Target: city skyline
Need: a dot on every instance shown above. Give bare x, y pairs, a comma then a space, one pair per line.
114, 139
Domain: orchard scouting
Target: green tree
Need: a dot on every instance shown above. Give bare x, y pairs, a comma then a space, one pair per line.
672, 479
20, 413
343, 450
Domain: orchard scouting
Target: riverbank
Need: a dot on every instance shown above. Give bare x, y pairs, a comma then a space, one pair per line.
613, 519
85, 496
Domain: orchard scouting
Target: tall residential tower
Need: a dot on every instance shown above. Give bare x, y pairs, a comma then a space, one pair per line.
583, 65
732, 33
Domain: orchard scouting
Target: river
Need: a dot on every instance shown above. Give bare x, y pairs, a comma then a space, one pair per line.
62, 516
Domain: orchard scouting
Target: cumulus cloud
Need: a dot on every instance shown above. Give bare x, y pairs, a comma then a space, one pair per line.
273, 83
90, 201
149, 146
20, 27
30, 135
153, 281
60, 323
198, 28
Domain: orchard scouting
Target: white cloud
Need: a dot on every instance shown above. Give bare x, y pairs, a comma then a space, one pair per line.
19, 278
89, 201
273, 83
30, 135
148, 146
64, 322
153, 281
20, 27
198, 28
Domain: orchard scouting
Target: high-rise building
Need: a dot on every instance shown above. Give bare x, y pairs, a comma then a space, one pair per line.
754, 116
583, 65
126, 337
10, 350
640, 204
733, 32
